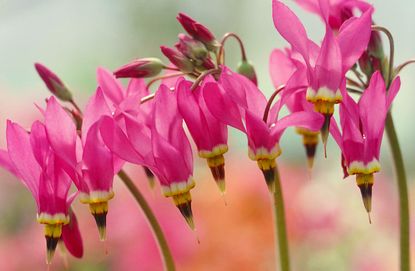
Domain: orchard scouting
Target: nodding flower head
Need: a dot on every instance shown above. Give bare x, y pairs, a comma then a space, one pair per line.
157, 141
362, 126
326, 64
237, 102
209, 134
31, 158
192, 48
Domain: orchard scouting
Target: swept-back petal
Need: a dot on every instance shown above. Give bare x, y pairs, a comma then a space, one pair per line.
22, 158
393, 91
111, 87
285, 22
71, 236
222, 106
353, 38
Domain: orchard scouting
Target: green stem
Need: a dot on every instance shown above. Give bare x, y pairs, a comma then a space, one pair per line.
403, 194
154, 225
280, 227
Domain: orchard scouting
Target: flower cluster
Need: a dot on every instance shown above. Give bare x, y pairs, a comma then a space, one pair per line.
129, 124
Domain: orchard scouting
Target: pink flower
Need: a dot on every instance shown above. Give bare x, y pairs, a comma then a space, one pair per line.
286, 70
237, 102
362, 126
209, 134
328, 64
31, 158
197, 31
160, 145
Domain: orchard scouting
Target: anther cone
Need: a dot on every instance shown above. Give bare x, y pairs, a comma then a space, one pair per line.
325, 130
365, 184
186, 211
269, 175
101, 221
217, 167
99, 210
310, 152
51, 244
183, 202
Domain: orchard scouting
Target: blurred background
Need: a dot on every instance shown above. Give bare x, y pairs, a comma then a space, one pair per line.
327, 224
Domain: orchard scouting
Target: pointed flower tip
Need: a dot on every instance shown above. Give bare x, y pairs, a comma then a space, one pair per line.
365, 183
197, 30
178, 59
53, 233
99, 211
246, 69
183, 202
53, 83
140, 68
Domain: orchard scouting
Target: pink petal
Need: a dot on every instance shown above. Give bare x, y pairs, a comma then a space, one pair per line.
98, 161
353, 38
257, 132
243, 91
328, 70
222, 107
61, 131
285, 21
116, 140
137, 86
281, 67
72, 238
7, 164
110, 86
308, 120
40, 144
22, 158
393, 91
372, 107
95, 109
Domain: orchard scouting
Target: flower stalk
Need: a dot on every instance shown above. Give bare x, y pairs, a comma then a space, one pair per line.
152, 220
280, 225
404, 215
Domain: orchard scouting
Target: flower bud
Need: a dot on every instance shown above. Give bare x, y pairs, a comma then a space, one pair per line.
53, 83
247, 69
192, 48
139, 68
198, 31
178, 59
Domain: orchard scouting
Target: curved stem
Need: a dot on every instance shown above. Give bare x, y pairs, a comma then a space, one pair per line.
202, 76
391, 49
222, 47
403, 194
272, 98
403, 65
280, 230
155, 79
154, 225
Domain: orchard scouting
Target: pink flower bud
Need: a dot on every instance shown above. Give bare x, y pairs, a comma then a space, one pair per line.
178, 59
139, 68
53, 83
197, 31
192, 48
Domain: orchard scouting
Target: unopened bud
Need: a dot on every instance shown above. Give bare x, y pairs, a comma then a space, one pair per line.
198, 31
178, 59
247, 69
53, 83
192, 48
140, 68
